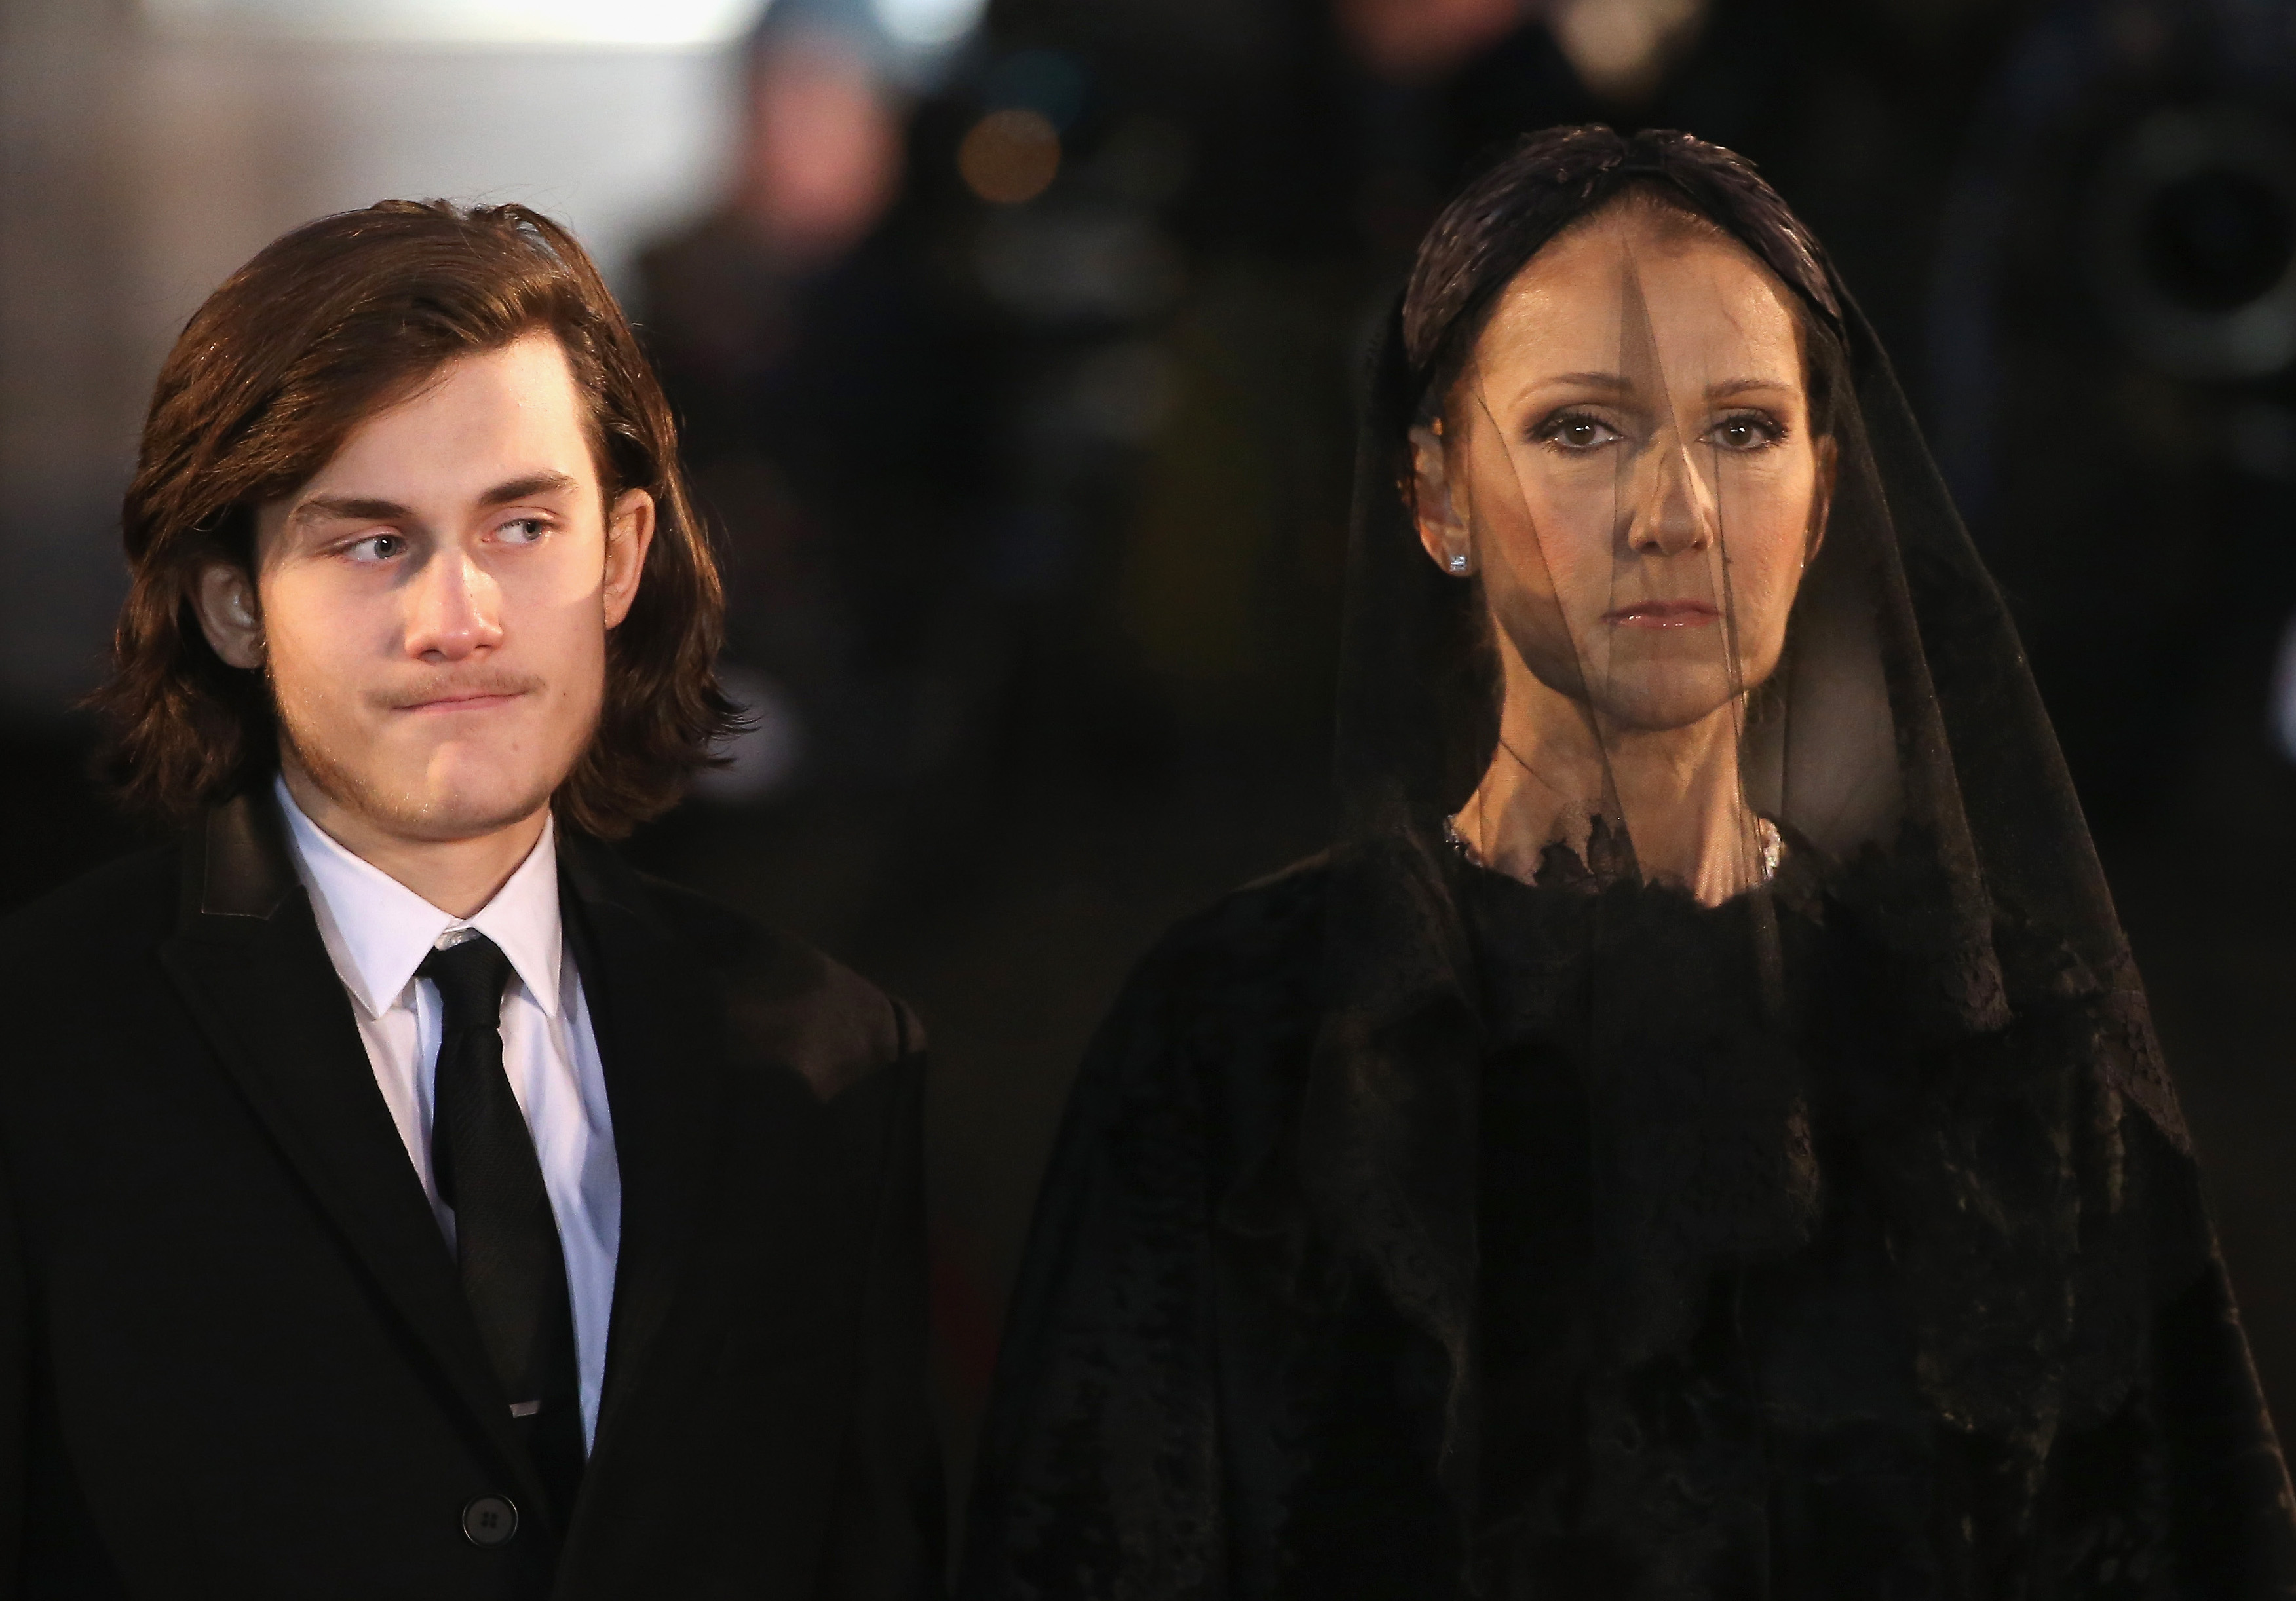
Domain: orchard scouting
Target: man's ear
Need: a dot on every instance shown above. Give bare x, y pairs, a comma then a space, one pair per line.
230, 615
629, 536
1436, 503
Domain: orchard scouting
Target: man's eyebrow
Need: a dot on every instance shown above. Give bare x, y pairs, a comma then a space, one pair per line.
360, 508
349, 507
528, 487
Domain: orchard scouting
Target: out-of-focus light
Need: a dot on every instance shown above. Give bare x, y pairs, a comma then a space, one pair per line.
1010, 156
927, 24
1422, 41
2284, 693
1619, 47
640, 22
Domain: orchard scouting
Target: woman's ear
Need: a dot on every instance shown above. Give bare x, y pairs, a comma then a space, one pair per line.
1436, 503
1821, 499
229, 615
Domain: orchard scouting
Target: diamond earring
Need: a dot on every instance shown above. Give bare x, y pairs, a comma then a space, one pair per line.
1459, 562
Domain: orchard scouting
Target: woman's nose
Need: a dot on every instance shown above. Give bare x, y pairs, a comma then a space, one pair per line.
1675, 510
453, 607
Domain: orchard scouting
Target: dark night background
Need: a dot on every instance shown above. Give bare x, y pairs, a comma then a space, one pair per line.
1018, 371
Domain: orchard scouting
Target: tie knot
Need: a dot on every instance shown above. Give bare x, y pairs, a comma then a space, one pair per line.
470, 975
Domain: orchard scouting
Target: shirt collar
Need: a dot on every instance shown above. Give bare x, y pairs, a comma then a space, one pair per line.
378, 931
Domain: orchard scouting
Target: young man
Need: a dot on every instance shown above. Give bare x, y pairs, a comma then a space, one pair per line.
403, 1198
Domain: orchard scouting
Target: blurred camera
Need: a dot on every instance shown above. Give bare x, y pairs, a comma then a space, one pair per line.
2193, 242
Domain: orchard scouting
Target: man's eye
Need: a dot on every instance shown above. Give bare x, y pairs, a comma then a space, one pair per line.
376, 548
522, 530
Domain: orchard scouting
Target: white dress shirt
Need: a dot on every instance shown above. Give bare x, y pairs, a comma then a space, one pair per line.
378, 931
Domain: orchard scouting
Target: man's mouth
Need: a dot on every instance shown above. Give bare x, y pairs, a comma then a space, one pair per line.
460, 703
467, 698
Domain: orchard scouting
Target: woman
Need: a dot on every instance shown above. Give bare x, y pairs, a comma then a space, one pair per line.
1698, 1133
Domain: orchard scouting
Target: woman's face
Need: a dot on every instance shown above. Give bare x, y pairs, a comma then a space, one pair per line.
1628, 463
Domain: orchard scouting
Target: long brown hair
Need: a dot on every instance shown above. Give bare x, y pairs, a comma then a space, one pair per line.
323, 327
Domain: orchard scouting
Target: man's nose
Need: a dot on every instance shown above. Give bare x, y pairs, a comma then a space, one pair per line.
453, 606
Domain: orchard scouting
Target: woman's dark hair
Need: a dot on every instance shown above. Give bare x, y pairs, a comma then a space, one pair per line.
322, 329
1554, 180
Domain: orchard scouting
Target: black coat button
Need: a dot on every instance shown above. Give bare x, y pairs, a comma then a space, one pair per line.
490, 1520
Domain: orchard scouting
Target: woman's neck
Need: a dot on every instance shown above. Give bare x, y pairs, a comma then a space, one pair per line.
1677, 790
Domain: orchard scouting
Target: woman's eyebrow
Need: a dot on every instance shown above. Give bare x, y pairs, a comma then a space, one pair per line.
1740, 386
1618, 383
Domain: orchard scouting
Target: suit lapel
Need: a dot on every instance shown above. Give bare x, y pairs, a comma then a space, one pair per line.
658, 1029
249, 962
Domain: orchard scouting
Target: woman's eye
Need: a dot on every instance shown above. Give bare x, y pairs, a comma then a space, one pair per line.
1744, 433
1578, 431
376, 548
522, 530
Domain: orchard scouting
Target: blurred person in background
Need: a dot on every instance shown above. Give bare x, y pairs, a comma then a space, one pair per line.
1698, 1131
830, 391
404, 1196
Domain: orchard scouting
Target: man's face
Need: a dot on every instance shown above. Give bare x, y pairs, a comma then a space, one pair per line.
433, 604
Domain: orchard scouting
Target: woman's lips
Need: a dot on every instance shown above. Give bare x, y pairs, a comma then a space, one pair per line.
1663, 614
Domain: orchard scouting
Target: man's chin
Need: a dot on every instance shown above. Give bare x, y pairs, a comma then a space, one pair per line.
445, 819
427, 805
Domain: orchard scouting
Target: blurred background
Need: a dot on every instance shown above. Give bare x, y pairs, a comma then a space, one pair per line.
1017, 346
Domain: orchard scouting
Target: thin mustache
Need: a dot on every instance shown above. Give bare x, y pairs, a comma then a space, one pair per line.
461, 688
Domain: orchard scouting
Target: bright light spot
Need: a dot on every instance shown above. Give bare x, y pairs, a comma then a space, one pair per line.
640, 22
1010, 156
927, 23
1619, 47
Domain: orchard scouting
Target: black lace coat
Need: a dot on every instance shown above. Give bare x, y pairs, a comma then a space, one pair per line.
1758, 1310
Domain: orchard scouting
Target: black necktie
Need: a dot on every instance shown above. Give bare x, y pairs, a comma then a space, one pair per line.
505, 1237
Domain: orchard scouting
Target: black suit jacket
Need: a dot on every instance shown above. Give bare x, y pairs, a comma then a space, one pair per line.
234, 1359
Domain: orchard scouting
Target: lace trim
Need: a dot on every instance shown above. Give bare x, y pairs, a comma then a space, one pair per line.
1766, 838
